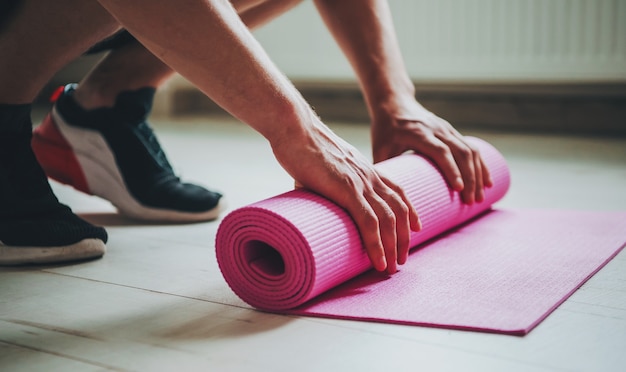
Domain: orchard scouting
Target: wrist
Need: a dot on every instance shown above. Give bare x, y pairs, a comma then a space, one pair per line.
296, 127
389, 96
395, 106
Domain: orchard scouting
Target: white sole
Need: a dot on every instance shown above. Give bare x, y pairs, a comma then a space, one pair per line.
83, 250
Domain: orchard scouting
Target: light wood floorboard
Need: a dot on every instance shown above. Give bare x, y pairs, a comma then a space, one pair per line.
157, 302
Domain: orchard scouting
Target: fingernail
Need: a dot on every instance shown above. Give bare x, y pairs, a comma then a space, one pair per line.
381, 265
417, 225
402, 260
458, 184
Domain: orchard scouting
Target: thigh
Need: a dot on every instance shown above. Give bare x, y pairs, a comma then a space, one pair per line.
39, 37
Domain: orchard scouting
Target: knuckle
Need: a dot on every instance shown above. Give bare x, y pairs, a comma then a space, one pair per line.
475, 152
440, 147
401, 208
445, 123
470, 183
395, 205
369, 221
464, 153
388, 217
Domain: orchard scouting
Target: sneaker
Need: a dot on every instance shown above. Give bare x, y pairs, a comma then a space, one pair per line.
34, 227
114, 154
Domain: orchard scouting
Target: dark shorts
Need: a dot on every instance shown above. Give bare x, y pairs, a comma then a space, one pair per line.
114, 41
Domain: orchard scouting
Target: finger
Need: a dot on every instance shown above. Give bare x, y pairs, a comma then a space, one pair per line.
387, 226
440, 154
407, 220
478, 169
464, 158
487, 180
400, 210
414, 221
486, 175
366, 220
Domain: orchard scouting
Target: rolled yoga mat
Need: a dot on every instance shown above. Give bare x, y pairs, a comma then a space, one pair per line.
471, 267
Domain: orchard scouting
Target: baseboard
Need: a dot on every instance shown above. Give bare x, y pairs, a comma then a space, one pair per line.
587, 109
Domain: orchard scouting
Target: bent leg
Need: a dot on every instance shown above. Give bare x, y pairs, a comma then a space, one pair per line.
37, 38
132, 66
111, 106
43, 36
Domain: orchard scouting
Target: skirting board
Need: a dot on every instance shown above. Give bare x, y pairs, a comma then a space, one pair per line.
582, 109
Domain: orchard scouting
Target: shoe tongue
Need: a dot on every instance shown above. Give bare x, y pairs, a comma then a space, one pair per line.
15, 119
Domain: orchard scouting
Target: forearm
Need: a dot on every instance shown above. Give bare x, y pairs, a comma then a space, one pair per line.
206, 42
263, 13
365, 32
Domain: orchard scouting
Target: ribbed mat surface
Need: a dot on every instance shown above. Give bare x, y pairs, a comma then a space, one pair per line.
492, 270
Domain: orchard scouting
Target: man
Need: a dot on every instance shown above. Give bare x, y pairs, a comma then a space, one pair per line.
208, 43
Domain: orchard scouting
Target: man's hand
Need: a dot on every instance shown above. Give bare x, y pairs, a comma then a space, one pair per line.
422, 131
322, 162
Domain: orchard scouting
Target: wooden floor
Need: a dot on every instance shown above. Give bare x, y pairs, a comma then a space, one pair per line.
157, 301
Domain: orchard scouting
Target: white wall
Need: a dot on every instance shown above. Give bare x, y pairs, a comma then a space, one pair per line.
472, 41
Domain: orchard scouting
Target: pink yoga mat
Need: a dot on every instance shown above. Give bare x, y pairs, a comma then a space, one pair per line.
471, 267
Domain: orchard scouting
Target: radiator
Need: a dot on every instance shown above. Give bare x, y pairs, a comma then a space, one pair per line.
513, 39
472, 40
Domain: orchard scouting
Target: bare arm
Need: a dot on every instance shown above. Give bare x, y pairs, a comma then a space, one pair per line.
207, 42
364, 30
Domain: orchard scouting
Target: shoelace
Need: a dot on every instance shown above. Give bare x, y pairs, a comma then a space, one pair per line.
153, 146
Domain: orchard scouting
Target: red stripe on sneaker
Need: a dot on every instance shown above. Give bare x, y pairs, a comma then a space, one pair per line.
57, 157
56, 94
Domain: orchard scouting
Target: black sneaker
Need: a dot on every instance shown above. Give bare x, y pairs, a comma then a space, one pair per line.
34, 227
113, 153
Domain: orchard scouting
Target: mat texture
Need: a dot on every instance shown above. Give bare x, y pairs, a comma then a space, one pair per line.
471, 267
